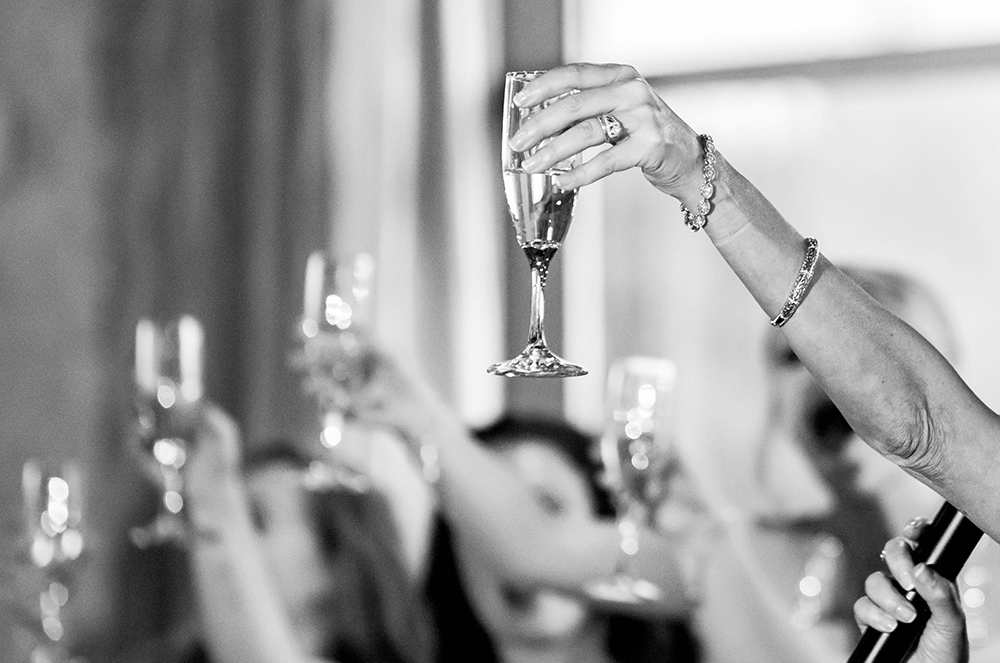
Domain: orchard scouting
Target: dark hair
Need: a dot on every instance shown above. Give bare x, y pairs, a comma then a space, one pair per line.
630, 639
577, 446
462, 638
376, 612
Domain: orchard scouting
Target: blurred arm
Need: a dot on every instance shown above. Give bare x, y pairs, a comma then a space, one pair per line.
243, 619
497, 516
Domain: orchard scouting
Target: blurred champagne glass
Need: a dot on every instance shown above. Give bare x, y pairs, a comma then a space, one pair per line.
636, 452
335, 325
168, 390
53, 550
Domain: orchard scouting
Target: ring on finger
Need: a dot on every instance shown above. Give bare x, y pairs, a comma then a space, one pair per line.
614, 131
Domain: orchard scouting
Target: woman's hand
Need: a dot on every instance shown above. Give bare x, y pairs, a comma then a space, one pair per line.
944, 638
657, 141
217, 452
395, 396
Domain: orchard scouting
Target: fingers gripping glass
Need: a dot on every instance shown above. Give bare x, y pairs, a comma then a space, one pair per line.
541, 213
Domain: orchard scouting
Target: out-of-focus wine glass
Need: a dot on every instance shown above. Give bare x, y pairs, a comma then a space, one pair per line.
336, 323
53, 549
541, 213
636, 451
168, 391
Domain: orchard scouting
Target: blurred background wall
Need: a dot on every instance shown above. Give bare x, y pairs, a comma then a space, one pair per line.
158, 158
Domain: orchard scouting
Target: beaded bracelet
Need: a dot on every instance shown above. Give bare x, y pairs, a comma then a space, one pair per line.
696, 222
802, 281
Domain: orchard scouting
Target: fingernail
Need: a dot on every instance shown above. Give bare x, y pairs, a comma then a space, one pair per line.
520, 98
906, 613
530, 163
885, 623
519, 140
906, 581
564, 182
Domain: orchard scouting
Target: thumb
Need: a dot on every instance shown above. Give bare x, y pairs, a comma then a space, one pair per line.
944, 638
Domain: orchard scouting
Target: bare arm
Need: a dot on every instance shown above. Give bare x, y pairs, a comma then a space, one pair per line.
242, 617
897, 391
496, 515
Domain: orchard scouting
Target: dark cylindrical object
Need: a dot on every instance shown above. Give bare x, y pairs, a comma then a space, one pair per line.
945, 545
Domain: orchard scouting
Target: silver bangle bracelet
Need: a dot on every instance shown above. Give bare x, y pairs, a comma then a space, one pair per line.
802, 281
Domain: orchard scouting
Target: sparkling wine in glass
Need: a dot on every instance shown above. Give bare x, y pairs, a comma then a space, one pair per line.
168, 391
636, 451
541, 213
336, 321
53, 549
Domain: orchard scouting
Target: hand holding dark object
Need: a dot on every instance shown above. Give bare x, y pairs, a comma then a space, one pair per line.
916, 614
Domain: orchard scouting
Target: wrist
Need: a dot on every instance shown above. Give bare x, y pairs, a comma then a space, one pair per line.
212, 506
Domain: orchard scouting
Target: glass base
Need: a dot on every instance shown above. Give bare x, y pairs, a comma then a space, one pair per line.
623, 589
325, 477
536, 361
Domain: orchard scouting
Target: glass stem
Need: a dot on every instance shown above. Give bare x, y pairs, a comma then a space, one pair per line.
629, 529
539, 275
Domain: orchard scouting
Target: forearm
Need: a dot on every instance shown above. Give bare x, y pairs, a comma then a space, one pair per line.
499, 519
897, 391
242, 617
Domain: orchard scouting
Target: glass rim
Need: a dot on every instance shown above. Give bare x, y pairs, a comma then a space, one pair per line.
526, 74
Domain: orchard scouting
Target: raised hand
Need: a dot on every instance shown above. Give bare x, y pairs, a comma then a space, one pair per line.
653, 137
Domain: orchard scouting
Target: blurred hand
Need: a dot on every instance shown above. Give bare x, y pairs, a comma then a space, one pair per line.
395, 396
944, 639
217, 451
658, 142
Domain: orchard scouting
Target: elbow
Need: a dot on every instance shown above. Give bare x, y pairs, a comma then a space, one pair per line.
917, 444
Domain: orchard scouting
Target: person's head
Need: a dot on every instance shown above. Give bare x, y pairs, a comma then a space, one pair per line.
555, 460
335, 559
560, 462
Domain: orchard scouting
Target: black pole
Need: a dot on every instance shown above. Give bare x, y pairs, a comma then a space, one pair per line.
945, 545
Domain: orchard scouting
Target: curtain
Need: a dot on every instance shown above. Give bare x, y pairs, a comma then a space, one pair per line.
216, 187
412, 96
185, 157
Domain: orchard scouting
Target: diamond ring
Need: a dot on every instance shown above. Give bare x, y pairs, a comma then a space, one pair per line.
612, 127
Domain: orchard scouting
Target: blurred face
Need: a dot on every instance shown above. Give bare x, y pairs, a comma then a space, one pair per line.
538, 616
288, 537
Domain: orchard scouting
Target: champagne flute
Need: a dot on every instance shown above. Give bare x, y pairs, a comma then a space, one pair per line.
168, 391
541, 213
637, 455
337, 317
53, 549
